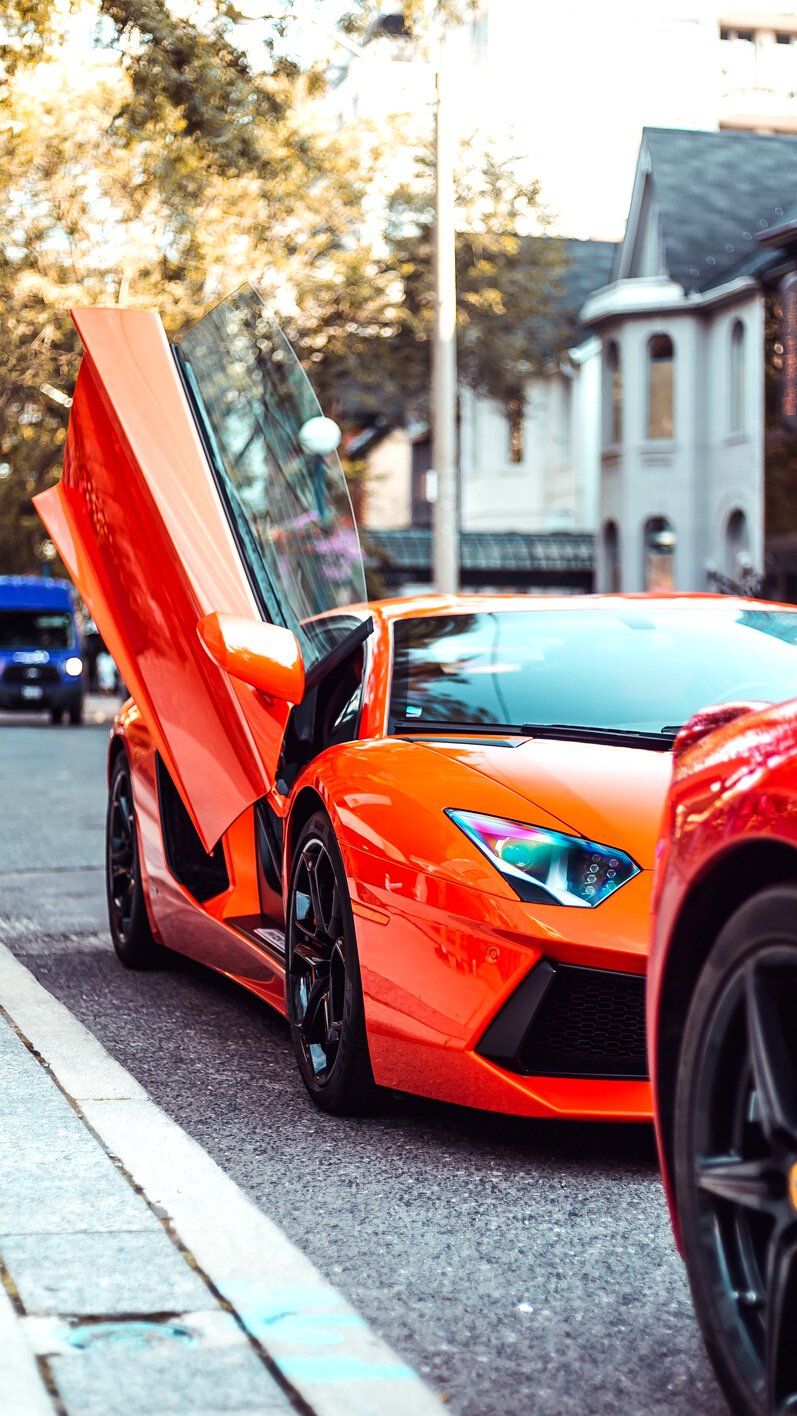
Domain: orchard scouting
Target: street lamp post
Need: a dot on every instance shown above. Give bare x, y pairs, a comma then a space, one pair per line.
445, 521
445, 529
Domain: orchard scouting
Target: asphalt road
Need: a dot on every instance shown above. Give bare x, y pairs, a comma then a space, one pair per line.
520, 1266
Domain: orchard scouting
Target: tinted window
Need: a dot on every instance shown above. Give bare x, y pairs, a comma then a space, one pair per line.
643, 668
289, 507
36, 629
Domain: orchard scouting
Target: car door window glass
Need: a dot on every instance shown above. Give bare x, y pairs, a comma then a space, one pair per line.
288, 505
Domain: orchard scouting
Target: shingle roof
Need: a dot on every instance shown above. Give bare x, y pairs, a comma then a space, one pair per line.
589, 266
715, 191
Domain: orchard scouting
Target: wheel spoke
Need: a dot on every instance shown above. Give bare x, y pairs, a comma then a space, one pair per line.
314, 953
335, 920
317, 961
781, 1325
314, 1013
773, 1072
315, 895
749, 1183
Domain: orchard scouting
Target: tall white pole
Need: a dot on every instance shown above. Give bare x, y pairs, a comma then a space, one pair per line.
445, 555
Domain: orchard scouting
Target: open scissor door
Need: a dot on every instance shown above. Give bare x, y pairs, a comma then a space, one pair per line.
188, 489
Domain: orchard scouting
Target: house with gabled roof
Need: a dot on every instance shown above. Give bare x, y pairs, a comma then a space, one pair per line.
694, 354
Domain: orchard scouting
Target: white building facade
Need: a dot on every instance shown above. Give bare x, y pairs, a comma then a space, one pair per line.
682, 460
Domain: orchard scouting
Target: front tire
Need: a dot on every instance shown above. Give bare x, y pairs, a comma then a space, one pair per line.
323, 986
132, 937
735, 1153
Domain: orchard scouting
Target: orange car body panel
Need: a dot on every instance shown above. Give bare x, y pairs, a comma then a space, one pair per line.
137, 508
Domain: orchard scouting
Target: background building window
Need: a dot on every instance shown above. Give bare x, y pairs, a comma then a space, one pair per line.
515, 414
737, 377
612, 396
611, 558
659, 550
661, 364
737, 546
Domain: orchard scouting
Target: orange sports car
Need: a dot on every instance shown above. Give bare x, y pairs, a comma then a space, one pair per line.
423, 829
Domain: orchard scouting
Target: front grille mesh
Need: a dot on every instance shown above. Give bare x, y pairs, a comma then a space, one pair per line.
591, 1022
39, 674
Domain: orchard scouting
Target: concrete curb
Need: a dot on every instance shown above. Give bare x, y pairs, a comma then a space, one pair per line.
23, 1388
328, 1359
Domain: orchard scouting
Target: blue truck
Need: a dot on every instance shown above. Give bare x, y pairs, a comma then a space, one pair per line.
41, 663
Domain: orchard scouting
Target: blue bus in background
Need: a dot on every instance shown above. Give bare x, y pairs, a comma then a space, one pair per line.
41, 664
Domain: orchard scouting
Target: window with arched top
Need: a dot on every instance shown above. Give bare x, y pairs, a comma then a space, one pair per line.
737, 376
611, 558
659, 543
612, 396
661, 387
737, 545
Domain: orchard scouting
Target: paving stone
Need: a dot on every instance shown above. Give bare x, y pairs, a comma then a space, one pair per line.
102, 1274
124, 1365
81, 1193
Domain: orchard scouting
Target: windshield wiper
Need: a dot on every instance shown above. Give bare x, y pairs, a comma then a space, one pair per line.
660, 741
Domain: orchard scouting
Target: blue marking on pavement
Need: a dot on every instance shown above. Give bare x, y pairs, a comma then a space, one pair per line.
343, 1369
309, 1317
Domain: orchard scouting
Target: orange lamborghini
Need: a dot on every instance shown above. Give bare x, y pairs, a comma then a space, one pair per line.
423, 829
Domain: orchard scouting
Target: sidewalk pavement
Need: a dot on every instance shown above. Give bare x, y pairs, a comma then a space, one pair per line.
135, 1278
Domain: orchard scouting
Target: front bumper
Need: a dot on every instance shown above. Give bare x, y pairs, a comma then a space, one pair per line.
15, 699
446, 967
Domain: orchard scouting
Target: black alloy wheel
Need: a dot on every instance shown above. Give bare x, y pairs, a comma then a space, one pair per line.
735, 1152
127, 912
323, 988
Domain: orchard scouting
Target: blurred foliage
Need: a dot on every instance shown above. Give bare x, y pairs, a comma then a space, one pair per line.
166, 167
161, 172
368, 335
419, 15
780, 450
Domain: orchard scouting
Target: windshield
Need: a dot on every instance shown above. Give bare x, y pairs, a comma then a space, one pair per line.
36, 629
639, 668
288, 503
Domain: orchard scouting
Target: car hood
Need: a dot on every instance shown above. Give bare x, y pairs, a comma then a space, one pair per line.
612, 795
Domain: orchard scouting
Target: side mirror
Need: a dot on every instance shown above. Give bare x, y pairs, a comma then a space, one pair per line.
264, 655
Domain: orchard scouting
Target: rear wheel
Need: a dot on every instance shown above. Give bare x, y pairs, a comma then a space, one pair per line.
735, 1153
323, 987
127, 912
56, 715
76, 713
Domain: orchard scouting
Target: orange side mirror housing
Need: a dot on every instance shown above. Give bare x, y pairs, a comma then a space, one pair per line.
264, 655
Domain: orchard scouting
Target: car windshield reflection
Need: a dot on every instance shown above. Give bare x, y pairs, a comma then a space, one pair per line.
628, 669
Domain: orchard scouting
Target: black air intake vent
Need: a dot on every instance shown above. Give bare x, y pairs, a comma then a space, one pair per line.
565, 1021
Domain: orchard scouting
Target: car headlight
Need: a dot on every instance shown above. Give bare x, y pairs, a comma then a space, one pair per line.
547, 867
73, 666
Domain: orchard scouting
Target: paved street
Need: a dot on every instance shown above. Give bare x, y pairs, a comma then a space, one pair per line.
519, 1267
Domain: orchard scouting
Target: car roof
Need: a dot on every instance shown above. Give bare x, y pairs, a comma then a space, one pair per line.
422, 606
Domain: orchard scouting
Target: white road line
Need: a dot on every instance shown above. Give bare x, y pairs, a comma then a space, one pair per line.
322, 1346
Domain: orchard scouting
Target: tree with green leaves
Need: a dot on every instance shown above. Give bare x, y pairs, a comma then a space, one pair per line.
164, 166
158, 169
368, 336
